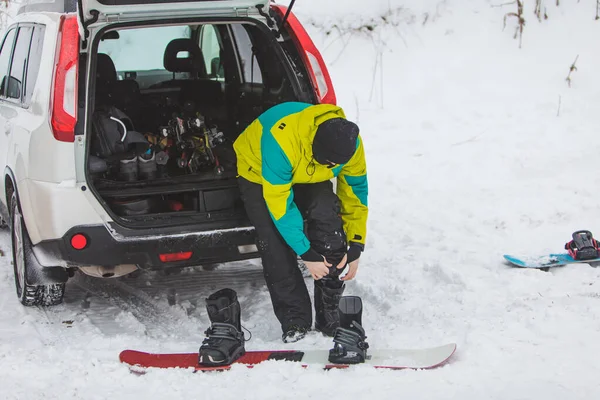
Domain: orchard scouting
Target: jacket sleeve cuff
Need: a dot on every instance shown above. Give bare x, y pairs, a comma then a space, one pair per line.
311, 255
357, 244
354, 251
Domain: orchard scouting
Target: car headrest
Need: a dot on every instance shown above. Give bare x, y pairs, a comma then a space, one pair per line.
106, 73
193, 62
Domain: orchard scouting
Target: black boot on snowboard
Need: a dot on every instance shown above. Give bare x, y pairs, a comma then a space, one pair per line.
224, 342
349, 340
328, 293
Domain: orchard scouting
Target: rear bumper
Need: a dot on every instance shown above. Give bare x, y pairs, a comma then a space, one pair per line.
51, 209
108, 247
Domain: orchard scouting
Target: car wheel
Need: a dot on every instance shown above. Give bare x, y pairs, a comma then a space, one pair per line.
29, 295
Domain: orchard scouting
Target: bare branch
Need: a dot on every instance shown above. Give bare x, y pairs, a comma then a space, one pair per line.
503, 4
538, 9
520, 20
571, 69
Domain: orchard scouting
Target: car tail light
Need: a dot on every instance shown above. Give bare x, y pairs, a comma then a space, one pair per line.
170, 257
64, 87
79, 241
312, 58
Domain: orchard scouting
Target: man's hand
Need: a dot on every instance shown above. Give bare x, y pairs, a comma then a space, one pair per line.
352, 257
318, 269
317, 264
351, 271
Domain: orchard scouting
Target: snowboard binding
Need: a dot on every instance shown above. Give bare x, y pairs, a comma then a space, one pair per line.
224, 342
349, 345
583, 246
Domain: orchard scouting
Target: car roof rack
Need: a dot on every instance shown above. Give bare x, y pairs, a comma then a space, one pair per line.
59, 6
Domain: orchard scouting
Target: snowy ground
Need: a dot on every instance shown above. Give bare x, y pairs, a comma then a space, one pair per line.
467, 159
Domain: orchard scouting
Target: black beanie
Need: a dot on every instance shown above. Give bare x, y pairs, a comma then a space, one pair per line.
335, 141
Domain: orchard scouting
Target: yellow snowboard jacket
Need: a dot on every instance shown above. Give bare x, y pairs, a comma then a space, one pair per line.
275, 151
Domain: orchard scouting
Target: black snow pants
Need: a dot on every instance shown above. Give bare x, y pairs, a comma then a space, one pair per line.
320, 208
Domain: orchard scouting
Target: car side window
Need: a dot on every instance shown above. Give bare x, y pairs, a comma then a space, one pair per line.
250, 68
35, 58
5, 54
211, 50
19, 63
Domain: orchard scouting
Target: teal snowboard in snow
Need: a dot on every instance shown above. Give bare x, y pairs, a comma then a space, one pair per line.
550, 260
582, 249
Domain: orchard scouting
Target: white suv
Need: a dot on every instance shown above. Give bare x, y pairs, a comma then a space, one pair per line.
118, 120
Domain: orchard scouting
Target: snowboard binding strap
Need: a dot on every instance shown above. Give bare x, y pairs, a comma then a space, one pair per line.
349, 345
583, 246
222, 346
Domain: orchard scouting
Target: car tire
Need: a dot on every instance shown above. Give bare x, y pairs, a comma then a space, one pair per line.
29, 295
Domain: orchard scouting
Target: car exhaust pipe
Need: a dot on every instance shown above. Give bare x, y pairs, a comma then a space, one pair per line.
107, 272
114, 271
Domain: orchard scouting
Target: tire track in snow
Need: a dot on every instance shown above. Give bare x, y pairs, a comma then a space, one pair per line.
154, 303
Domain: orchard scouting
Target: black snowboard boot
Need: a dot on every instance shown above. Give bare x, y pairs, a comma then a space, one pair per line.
349, 340
328, 293
224, 342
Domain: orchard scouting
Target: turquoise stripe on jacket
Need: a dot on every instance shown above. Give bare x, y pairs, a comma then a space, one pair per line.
277, 170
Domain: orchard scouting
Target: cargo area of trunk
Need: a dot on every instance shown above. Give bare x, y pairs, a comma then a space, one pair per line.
169, 101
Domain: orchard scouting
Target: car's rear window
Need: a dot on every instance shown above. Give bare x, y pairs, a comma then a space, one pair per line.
142, 49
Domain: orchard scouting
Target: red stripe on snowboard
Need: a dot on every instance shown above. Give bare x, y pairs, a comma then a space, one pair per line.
190, 360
